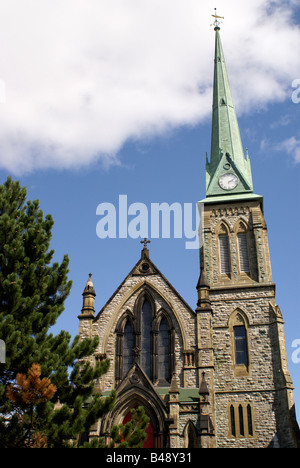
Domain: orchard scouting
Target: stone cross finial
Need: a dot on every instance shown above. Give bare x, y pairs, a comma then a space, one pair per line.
145, 242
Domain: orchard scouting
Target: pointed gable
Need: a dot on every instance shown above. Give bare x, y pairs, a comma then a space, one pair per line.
147, 312
148, 273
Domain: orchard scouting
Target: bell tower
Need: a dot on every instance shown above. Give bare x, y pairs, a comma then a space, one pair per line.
253, 391
235, 250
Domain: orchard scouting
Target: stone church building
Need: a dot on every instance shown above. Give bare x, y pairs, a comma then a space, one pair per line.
216, 376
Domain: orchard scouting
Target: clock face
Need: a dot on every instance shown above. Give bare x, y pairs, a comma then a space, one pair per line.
228, 181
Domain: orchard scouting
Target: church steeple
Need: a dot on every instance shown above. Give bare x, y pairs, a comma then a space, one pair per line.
228, 173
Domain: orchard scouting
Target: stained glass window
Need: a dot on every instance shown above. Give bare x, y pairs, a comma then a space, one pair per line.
146, 338
240, 340
163, 353
127, 348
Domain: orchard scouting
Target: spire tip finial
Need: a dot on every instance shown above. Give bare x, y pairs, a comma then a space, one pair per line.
217, 23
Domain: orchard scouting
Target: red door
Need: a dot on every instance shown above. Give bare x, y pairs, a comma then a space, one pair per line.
149, 442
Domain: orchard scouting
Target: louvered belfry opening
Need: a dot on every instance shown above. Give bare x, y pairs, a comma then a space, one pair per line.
225, 264
243, 253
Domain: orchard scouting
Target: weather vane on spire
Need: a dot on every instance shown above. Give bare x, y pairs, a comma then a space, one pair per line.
217, 23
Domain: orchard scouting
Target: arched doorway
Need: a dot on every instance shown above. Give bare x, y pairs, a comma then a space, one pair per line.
149, 442
136, 390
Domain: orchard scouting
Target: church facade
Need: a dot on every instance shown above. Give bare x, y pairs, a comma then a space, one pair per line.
216, 376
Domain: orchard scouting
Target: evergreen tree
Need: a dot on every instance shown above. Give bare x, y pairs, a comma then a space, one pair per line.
26, 394
32, 296
130, 435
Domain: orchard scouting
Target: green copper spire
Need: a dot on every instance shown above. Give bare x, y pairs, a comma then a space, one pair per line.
228, 173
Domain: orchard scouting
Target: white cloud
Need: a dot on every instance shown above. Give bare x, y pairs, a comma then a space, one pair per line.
292, 147
84, 76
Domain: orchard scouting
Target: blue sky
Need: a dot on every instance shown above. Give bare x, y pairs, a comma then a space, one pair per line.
125, 108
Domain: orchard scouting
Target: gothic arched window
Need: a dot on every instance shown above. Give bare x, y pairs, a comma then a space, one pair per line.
163, 353
190, 436
240, 345
125, 343
249, 419
146, 337
145, 359
239, 329
127, 348
232, 421
241, 420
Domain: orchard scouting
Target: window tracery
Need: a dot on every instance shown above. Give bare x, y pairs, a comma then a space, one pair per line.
146, 337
